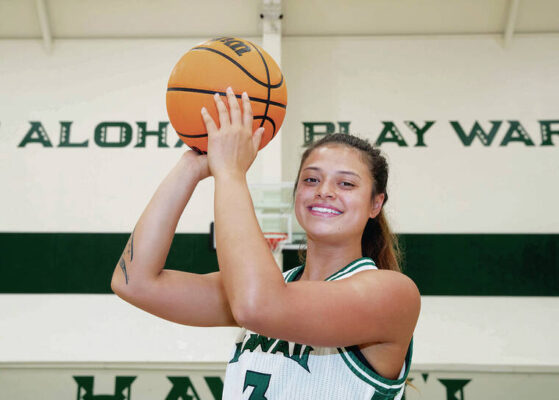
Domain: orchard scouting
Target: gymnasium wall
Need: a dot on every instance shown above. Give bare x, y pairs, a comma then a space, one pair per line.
449, 181
477, 211
469, 128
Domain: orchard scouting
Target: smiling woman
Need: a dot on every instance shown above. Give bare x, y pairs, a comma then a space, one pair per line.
337, 327
366, 175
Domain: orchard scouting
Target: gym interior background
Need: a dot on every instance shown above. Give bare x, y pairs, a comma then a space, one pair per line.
462, 96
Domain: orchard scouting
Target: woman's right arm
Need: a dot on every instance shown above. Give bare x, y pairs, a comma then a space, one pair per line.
139, 277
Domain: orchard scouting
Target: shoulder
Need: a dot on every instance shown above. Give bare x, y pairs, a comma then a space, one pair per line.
388, 277
390, 291
393, 283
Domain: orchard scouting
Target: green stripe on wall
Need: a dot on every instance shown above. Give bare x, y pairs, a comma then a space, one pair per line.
83, 262
479, 264
484, 265
443, 264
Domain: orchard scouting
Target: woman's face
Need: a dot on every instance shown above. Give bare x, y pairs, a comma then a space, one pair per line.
333, 197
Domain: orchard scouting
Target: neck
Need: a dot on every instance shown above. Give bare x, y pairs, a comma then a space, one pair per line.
324, 259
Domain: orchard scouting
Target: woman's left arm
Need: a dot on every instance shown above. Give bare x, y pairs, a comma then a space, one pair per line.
247, 266
372, 306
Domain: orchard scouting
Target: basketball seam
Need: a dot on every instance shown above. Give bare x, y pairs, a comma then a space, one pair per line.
192, 136
269, 90
264, 117
269, 86
205, 91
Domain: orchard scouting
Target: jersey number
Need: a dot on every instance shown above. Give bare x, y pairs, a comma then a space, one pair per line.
259, 382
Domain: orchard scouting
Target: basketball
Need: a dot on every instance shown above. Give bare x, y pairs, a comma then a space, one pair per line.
210, 68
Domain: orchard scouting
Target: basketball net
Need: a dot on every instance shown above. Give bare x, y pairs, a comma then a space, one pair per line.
275, 240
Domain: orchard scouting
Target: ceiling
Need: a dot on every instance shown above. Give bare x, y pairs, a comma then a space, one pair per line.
71, 19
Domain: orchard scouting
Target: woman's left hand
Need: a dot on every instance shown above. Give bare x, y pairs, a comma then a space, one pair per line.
232, 147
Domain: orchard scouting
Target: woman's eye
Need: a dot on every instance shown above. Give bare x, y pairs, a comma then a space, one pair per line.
347, 184
310, 180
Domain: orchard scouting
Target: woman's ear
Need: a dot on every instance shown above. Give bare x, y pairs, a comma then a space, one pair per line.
376, 205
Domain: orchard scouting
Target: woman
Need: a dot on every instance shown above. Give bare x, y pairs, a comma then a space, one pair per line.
335, 328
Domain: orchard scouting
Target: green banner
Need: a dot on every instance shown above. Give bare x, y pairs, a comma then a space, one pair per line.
440, 264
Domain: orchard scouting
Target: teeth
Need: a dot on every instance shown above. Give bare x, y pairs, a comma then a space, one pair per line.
325, 210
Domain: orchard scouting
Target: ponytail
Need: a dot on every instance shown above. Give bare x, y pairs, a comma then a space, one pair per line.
380, 244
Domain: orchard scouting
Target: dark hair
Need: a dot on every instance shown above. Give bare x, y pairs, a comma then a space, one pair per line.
377, 242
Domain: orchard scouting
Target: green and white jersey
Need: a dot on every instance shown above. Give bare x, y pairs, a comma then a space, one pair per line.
267, 368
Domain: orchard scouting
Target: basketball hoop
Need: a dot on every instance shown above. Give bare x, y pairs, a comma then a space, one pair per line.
274, 240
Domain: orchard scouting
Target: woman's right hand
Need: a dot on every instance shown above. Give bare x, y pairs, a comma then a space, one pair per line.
198, 162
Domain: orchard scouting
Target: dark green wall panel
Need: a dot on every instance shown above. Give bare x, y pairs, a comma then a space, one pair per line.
479, 264
443, 264
83, 262
483, 265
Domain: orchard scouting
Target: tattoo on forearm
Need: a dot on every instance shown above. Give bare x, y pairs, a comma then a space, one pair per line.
132, 245
129, 249
123, 267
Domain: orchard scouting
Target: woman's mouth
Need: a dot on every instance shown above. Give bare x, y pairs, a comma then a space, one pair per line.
324, 211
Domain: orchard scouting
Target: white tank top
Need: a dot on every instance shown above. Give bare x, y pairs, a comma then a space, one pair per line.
267, 368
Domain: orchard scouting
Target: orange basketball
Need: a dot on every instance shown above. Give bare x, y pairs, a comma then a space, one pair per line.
213, 66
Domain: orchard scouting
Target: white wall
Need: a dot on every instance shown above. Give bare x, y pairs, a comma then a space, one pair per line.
444, 187
88, 189
465, 333
498, 347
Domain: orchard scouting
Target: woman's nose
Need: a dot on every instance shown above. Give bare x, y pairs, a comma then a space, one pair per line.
325, 190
